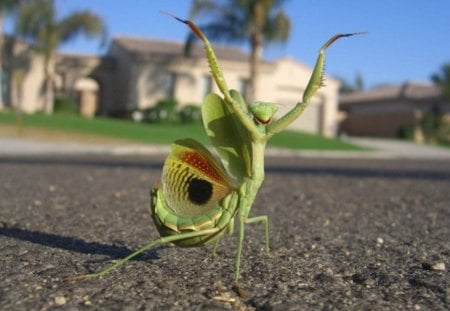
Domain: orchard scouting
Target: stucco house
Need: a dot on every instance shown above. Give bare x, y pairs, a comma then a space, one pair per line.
136, 72
387, 110
22, 75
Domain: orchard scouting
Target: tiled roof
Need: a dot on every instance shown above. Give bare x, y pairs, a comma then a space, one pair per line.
144, 46
412, 91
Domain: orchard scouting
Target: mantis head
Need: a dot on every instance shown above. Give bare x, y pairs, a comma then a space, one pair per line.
263, 112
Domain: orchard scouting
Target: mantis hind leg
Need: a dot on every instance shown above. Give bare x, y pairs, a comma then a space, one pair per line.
242, 223
230, 229
162, 240
265, 221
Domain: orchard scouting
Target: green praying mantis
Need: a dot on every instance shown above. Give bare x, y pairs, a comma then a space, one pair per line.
199, 195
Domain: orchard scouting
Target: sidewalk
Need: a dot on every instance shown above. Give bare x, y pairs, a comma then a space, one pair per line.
382, 148
401, 149
18, 146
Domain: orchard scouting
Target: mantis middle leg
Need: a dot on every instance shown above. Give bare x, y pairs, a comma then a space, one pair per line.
242, 222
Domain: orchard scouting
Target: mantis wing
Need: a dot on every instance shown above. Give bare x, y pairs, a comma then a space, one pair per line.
227, 134
193, 180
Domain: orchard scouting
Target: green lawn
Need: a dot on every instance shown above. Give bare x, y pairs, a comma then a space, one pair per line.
162, 133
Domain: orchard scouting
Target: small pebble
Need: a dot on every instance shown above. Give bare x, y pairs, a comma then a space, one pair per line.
60, 300
438, 266
86, 301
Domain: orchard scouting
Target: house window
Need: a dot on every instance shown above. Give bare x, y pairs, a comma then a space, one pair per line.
170, 85
4, 79
207, 85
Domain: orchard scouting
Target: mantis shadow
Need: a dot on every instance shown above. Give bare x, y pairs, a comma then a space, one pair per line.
76, 244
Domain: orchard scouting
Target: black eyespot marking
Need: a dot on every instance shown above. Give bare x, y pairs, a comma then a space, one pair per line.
199, 191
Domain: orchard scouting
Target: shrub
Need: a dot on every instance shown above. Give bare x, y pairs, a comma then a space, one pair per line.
65, 105
190, 113
406, 132
436, 128
165, 111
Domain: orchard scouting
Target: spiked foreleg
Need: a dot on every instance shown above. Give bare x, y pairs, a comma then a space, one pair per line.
162, 240
315, 82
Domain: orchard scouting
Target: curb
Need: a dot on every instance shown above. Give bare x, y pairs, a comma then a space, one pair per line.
28, 147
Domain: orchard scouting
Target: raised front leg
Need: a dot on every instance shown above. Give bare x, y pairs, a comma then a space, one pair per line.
315, 82
219, 78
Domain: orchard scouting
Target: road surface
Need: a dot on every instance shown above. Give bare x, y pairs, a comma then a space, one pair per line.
359, 234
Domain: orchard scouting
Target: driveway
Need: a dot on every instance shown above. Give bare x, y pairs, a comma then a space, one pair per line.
400, 148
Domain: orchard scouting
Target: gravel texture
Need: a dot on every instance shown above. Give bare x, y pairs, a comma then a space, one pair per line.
345, 235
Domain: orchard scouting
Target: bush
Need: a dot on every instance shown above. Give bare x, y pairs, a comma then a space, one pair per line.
165, 111
190, 113
65, 105
430, 125
436, 128
406, 132
443, 134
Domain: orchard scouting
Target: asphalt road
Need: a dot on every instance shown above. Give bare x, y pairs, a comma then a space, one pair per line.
359, 234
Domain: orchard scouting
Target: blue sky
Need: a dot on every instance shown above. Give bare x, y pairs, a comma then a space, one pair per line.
407, 40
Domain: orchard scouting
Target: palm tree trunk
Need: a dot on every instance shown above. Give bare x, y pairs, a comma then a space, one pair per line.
256, 39
48, 95
49, 92
255, 59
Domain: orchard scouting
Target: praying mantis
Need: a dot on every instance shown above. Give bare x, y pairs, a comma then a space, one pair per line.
200, 195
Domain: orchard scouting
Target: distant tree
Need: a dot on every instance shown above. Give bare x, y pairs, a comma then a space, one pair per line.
359, 82
38, 22
6, 7
356, 86
442, 79
433, 123
254, 21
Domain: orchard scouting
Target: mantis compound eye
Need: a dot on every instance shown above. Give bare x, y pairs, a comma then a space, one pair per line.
263, 112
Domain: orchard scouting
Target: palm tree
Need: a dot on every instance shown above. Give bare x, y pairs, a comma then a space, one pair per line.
257, 22
442, 79
37, 21
6, 7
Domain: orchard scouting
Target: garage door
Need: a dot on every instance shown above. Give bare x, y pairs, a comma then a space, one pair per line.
309, 121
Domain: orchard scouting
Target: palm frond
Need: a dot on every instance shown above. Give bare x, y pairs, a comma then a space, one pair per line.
34, 18
199, 7
277, 28
82, 22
